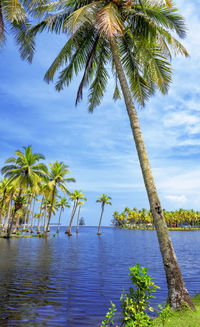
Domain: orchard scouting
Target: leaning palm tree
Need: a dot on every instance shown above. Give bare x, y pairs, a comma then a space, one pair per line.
135, 37
80, 203
57, 179
62, 204
24, 171
104, 199
76, 196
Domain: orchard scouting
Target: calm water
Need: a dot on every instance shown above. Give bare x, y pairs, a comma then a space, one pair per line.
62, 281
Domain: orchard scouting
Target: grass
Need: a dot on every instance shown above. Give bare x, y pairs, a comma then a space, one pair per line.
182, 318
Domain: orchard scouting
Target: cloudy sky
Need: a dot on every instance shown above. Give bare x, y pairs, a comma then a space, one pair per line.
99, 148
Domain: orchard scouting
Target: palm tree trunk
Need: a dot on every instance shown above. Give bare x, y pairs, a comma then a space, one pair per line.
29, 212
9, 230
79, 209
2, 203
59, 220
50, 211
177, 292
71, 220
45, 218
26, 214
8, 214
39, 219
17, 224
33, 215
102, 210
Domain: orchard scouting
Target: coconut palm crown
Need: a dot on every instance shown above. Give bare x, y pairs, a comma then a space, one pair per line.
25, 169
143, 40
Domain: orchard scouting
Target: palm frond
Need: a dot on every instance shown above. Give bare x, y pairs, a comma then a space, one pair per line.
109, 20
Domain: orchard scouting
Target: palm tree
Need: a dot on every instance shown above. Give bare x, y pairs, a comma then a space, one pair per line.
135, 37
14, 20
24, 171
79, 209
57, 179
63, 203
104, 199
76, 196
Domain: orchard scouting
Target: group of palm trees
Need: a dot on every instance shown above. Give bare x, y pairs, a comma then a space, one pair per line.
28, 180
135, 38
143, 217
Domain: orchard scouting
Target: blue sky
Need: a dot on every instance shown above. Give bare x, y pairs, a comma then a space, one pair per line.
99, 148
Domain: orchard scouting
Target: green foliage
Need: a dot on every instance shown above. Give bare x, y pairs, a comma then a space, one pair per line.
164, 313
137, 301
109, 321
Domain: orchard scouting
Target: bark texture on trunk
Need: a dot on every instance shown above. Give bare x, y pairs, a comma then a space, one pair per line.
102, 210
8, 214
177, 292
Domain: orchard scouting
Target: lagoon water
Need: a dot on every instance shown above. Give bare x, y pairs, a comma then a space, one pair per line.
62, 281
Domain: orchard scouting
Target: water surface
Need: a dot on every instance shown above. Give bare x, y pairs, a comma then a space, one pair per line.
62, 281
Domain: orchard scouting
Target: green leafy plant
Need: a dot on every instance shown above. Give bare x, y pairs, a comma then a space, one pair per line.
164, 313
109, 321
137, 301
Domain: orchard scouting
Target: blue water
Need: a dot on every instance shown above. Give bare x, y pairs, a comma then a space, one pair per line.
62, 281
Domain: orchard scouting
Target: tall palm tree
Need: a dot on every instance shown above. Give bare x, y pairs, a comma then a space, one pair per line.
76, 196
135, 37
25, 171
62, 204
104, 199
57, 179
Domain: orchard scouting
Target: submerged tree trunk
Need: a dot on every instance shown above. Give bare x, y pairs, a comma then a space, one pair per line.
177, 292
102, 210
72, 216
79, 209
59, 220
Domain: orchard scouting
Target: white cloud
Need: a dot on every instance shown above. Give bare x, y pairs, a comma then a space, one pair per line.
178, 199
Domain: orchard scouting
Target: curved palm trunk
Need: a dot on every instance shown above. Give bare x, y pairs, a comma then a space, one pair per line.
8, 214
33, 215
177, 292
40, 216
2, 202
16, 224
29, 213
59, 220
50, 211
26, 214
45, 218
72, 217
102, 210
9, 230
79, 209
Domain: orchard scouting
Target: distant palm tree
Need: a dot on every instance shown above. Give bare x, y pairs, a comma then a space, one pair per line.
62, 204
57, 179
76, 196
104, 199
24, 171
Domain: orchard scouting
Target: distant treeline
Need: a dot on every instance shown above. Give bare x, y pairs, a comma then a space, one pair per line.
136, 217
